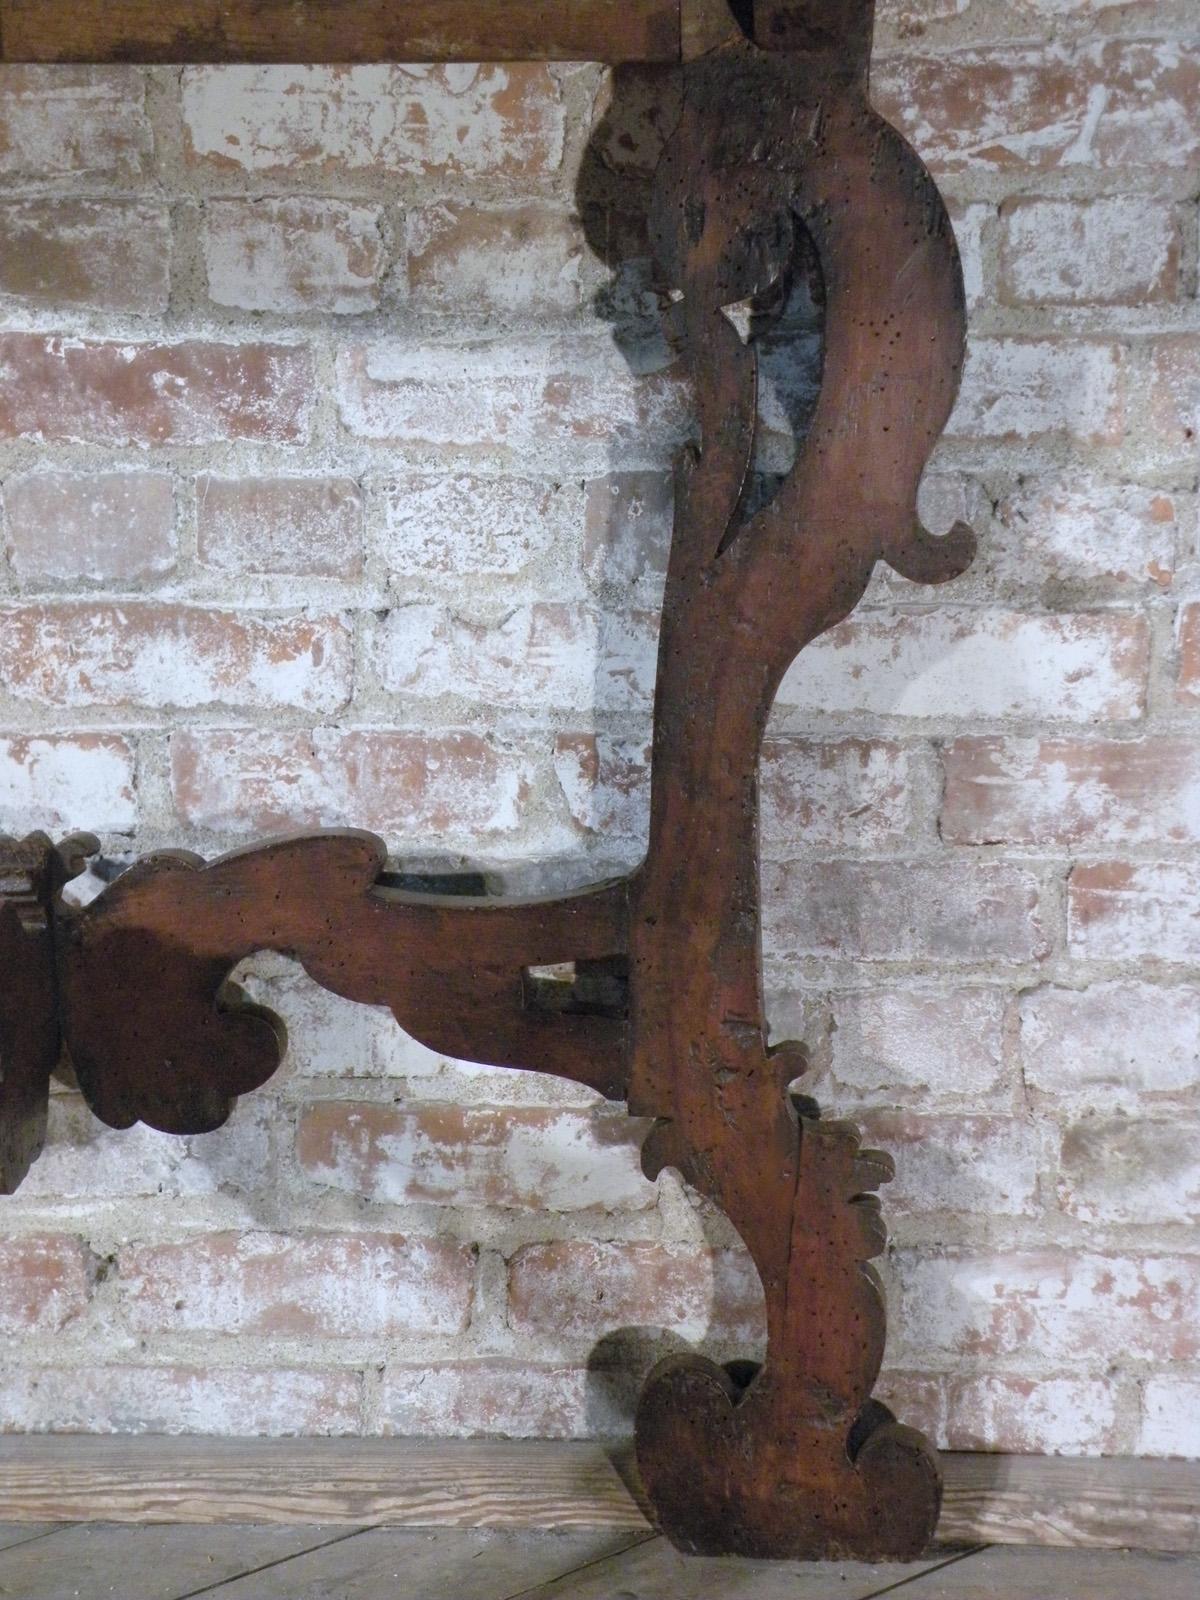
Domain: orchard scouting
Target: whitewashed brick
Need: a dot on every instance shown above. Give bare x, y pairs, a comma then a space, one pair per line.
530, 1159
1171, 1418
1120, 1170
895, 1046
955, 662
1134, 911
542, 654
456, 525
465, 122
1076, 528
1120, 250
1113, 1045
1022, 390
294, 254
60, 783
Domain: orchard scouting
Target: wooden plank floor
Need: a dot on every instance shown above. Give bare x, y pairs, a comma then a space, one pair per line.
169, 1562
542, 1486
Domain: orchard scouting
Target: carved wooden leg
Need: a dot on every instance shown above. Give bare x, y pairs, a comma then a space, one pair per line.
778, 159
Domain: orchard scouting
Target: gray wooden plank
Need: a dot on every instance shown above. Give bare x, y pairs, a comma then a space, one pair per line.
1022, 1573
652, 1570
433, 1564
12, 1533
99, 1561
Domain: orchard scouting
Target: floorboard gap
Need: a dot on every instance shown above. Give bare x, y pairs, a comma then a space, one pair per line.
282, 1561
928, 1572
586, 1566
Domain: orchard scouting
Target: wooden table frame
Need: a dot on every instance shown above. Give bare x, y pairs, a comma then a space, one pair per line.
648, 988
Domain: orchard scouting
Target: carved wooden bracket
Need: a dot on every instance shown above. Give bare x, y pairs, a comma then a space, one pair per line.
778, 160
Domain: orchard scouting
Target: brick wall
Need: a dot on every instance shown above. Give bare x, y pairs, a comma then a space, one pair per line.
335, 491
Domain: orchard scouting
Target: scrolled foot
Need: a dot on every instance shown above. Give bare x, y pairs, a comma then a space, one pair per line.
761, 1469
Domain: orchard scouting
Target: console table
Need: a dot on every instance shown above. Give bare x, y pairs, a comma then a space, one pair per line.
647, 989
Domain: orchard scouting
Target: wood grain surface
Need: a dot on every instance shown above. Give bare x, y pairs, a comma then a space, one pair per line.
341, 31
996, 1499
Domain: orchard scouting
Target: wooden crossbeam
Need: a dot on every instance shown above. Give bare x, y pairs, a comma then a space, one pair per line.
339, 31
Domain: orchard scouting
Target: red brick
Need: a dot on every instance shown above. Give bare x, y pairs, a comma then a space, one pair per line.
524, 1158
236, 1402
1123, 1170
294, 254
903, 1046
1113, 104
629, 524
548, 653
447, 122
194, 392
105, 527
1066, 1305
844, 794
60, 782
1022, 390
1134, 911
47, 1281
1071, 791
468, 525
146, 654
606, 784
578, 1290
506, 1399
952, 662
1189, 654
303, 527
1077, 529
970, 1165
296, 1285
903, 911
114, 255
1170, 415
72, 121
522, 393
1121, 250
1119, 1045
430, 790
527, 261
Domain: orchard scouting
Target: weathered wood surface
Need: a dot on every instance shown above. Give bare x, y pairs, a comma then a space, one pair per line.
248, 1563
655, 1571
398, 1483
1014, 1574
341, 31
1051, 1500
98, 1562
15, 1533
989, 1499
382, 1564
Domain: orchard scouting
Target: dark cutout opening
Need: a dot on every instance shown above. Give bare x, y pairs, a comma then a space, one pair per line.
598, 988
